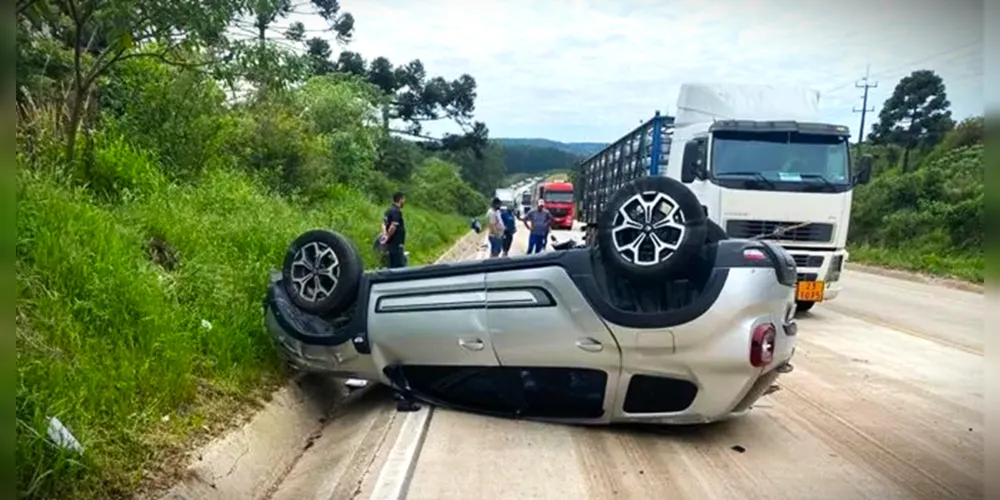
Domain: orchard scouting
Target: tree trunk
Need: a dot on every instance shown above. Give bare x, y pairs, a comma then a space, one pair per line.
73, 124
906, 159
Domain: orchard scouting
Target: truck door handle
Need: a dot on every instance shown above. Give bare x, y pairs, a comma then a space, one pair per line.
472, 345
590, 345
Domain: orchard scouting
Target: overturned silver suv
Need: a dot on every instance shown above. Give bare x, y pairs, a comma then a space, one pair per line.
663, 320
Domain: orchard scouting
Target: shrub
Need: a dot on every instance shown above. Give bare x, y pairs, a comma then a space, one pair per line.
932, 218
437, 185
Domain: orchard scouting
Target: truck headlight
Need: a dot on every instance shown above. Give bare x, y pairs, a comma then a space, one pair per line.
836, 266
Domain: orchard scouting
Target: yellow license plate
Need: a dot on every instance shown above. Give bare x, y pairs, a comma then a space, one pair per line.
810, 291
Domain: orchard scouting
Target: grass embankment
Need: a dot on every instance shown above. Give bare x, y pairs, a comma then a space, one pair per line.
964, 267
118, 346
928, 218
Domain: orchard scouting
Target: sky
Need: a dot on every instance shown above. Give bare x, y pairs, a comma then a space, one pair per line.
579, 70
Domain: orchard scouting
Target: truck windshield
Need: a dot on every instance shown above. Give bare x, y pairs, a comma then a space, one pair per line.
787, 161
559, 196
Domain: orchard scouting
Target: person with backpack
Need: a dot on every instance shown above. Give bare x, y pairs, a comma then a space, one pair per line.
510, 227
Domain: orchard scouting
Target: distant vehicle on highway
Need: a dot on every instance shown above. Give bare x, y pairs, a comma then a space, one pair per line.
507, 198
526, 200
693, 329
558, 198
763, 164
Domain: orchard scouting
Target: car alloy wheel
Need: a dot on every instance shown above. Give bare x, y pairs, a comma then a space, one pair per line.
315, 271
648, 228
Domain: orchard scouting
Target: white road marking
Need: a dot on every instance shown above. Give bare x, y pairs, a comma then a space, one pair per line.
394, 479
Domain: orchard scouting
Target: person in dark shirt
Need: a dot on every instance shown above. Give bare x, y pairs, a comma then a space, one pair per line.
394, 235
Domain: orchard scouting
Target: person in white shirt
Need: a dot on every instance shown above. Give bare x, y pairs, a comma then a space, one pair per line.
495, 228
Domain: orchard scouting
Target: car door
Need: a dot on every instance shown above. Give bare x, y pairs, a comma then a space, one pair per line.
548, 338
431, 330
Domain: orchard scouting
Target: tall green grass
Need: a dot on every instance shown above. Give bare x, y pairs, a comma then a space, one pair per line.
118, 348
956, 265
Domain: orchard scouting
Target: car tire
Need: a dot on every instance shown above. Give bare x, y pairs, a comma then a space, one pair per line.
326, 293
638, 240
802, 307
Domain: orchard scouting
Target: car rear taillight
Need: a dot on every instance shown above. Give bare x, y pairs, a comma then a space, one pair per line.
754, 254
762, 344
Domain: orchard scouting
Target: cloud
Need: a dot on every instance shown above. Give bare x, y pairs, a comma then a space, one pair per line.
580, 70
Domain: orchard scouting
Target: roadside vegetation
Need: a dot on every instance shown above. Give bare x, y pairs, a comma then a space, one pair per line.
164, 163
924, 209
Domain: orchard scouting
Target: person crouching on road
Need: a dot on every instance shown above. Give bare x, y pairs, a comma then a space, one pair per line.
510, 227
495, 228
539, 221
394, 235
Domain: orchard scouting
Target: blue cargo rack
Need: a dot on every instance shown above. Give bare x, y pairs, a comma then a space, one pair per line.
641, 152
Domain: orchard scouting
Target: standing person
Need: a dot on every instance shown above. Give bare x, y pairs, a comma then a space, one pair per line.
495, 228
394, 235
538, 221
510, 227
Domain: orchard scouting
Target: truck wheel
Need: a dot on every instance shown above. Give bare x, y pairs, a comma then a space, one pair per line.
651, 227
321, 272
802, 307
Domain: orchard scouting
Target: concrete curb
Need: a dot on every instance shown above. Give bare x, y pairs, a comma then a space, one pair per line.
248, 462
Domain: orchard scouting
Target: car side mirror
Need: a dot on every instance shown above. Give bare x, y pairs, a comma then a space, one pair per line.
864, 173
476, 226
692, 167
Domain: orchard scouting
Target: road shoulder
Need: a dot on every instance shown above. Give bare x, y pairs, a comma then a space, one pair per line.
917, 277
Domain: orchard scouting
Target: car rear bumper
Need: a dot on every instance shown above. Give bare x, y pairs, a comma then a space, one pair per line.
712, 354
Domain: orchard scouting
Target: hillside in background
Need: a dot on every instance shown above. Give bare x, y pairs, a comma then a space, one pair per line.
576, 148
537, 156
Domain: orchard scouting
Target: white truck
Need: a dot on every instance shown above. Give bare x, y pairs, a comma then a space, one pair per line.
506, 197
762, 163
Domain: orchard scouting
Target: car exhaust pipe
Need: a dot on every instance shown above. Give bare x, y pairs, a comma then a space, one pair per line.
785, 368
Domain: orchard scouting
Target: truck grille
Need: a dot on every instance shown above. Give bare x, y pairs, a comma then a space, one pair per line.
559, 212
815, 232
808, 260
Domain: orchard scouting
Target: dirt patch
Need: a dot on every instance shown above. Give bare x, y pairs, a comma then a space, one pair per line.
161, 252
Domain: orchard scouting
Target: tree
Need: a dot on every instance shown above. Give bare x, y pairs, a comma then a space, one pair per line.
916, 116
265, 54
415, 99
99, 34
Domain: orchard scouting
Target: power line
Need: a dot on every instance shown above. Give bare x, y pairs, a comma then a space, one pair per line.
960, 51
864, 84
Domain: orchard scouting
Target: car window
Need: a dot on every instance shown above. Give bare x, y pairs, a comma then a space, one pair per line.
525, 391
479, 388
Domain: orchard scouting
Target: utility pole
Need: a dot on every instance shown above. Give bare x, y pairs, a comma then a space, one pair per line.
864, 84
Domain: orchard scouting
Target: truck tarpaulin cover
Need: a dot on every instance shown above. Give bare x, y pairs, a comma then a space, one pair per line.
707, 102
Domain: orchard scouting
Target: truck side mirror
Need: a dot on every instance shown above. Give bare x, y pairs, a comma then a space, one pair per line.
693, 165
864, 173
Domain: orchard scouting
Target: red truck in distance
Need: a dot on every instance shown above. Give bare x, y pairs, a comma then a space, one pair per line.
558, 197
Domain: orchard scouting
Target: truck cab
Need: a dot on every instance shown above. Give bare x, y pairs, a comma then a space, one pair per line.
763, 166
559, 201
